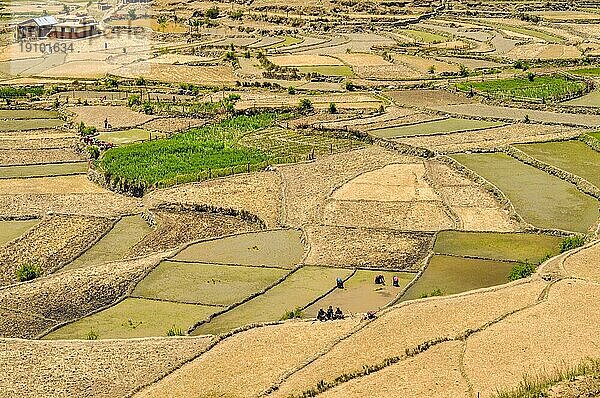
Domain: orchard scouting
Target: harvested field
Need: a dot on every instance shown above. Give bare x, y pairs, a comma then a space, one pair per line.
263, 356
175, 228
377, 248
279, 248
39, 156
496, 137
28, 124
498, 246
451, 275
122, 137
256, 193
572, 156
305, 60
298, 290
346, 101
116, 244
544, 51
328, 70
426, 98
406, 326
19, 324
56, 169
49, 185
66, 296
24, 141
117, 116
538, 347
110, 368
71, 235
10, 230
412, 377
423, 65
203, 75
541, 199
361, 294
220, 285
362, 59
132, 318
518, 114
308, 185
434, 127
584, 264
27, 114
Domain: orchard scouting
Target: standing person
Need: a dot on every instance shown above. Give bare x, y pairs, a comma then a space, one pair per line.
340, 283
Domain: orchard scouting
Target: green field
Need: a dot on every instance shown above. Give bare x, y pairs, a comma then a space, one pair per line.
550, 38
27, 114
596, 135
497, 246
122, 137
553, 88
422, 36
457, 274
29, 124
361, 294
328, 70
288, 41
10, 230
541, 199
134, 317
298, 290
205, 283
115, 244
435, 127
593, 72
42, 170
190, 154
282, 248
589, 100
572, 156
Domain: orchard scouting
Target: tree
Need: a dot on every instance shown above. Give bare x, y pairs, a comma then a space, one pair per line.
305, 105
463, 71
531, 76
350, 86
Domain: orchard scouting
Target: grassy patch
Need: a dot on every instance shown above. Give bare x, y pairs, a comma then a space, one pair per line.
190, 155
122, 137
328, 70
361, 294
589, 100
435, 127
281, 248
586, 72
42, 170
547, 88
497, 246
541, 199
596, 135
205, 283
288, 41
521, 270
29, 124
134, 317
115, 244
298, 290
572, 156
10, 230
452, 275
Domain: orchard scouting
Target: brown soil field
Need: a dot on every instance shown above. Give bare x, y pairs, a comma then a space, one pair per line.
393, 116
304, 60
544, 51
406, 326
412, 378
33, 156
362, 59
476, 208
426, 98
21, 142
558, 332
50, 185
345, 101
496, 137
387, 72
70, 236
422, 65
584, 264
405, 216
118, 116
362, 247
38, 135
69, 295
175, 228
102, 368
256, 193
203, 75
262, 355
22, 324
307, 185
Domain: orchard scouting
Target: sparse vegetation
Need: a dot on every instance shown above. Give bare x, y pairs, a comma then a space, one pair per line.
28, 271
293, 314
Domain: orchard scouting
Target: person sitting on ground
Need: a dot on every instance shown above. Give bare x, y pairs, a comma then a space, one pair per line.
330, 313
340, 283
338, 313
395, 281
321, 316
379, 280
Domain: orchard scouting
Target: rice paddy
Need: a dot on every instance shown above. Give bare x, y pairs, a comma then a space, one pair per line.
541, 199
43, 170
205, 283
444, 126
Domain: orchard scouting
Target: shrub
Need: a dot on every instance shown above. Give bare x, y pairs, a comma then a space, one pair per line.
295, 313
291, 90
332, 108
92, 335
93, 151
350, 86
571, 242
173, 331
212, 13
521, 270
305, 105
147, 108
133, 100
433, 293
27, 272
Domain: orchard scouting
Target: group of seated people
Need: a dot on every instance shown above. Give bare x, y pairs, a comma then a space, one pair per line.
380, 280
330, 315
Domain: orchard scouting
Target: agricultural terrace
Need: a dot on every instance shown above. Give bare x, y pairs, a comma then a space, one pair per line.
537, 88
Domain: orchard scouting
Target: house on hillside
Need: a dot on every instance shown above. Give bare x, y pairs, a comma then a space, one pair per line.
35, 28
74, 27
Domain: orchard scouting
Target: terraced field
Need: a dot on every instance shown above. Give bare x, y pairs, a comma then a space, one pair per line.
28, 124
10, 230
435, 127
44, 170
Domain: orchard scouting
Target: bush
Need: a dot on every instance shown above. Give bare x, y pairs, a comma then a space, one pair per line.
133, 100
350, 86
212, 13
27, 272
571, 242
305, 105
93, 151
332, 108
295, 313
291, 90
92, 335
147, 108
521, 270
433, 293
173, 331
